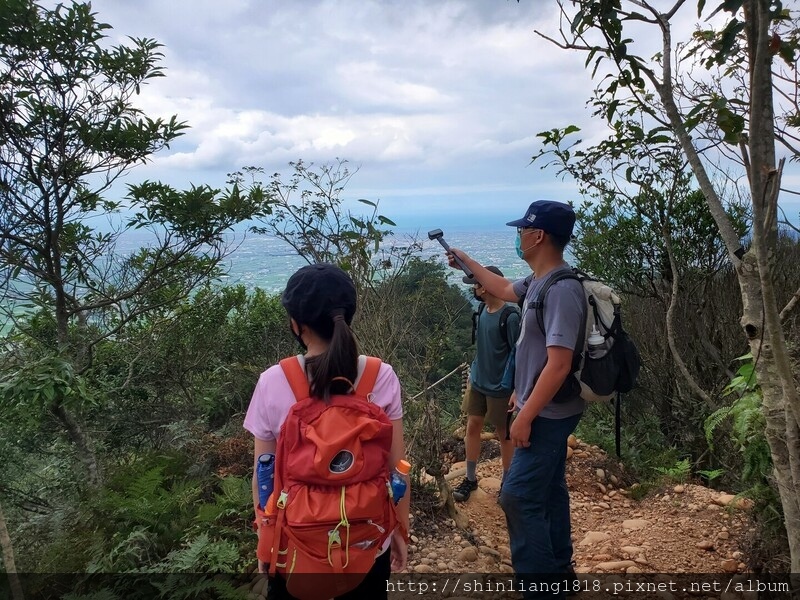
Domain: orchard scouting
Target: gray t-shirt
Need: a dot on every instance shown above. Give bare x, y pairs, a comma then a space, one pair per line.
492, 350
564, 320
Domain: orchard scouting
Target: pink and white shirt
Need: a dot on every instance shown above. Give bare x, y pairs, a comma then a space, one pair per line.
273, 397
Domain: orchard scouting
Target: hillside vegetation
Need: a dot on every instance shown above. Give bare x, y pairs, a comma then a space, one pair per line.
124, 378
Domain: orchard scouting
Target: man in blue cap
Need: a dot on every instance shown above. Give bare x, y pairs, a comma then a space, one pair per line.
534, 494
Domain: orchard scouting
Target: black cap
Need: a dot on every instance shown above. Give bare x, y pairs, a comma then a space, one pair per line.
316, 292
549, 216
470, 279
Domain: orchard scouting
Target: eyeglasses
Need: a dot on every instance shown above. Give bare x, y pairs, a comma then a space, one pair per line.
520, 230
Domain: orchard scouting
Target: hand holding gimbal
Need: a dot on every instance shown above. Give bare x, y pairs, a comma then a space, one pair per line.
438, 235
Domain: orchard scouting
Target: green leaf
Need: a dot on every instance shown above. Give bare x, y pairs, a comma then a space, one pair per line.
576, 20
787, 53
629, 173
731, 124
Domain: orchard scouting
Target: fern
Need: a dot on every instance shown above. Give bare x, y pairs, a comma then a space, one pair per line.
223, 558
747, 422
181, 587
233, 500
188, 559
712, 422
201, 555
233, 489
130, 550
151, 499
150, 520
679, 472
98, 595
147, 484
711, 474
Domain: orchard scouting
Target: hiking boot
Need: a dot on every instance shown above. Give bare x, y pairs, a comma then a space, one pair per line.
464, 489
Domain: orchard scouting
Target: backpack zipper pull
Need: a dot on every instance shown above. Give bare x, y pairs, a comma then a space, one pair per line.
381, 529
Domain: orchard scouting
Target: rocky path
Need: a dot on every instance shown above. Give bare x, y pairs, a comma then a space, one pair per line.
683, 529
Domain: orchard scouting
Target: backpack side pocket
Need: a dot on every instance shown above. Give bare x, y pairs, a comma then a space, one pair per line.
266, 534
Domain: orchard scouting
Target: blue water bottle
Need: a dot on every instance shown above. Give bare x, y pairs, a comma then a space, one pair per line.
398, 480
264, 476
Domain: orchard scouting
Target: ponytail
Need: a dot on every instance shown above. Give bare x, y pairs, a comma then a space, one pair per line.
335, 370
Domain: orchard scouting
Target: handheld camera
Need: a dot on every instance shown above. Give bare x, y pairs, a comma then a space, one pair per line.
438, 235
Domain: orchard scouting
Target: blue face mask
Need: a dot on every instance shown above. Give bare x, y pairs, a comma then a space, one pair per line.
518, 247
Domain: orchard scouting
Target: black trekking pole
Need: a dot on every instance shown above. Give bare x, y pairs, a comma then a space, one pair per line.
618, 423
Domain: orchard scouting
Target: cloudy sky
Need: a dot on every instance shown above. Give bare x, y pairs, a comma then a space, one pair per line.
437, 103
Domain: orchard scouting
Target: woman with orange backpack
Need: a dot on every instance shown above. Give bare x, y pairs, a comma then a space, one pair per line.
333, 420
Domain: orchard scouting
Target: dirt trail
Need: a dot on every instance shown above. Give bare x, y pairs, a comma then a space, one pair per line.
683, 529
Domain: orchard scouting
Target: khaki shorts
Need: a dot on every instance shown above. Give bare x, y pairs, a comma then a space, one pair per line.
492, 408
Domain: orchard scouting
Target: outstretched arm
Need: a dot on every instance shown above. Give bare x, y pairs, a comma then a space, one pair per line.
495, 284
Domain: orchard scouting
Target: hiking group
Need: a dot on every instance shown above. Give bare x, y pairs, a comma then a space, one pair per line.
336, 522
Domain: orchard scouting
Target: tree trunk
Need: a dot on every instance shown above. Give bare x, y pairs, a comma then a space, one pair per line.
8, 559
781, 401
82, 443
760, 317
672, 303
781, 430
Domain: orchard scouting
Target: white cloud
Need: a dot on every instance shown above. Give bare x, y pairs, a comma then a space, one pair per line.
427, 84
431, 100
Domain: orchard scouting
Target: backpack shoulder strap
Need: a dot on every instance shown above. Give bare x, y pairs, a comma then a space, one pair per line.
538, 303
366, 382
507, 311
526, 282
475, 316
296, 377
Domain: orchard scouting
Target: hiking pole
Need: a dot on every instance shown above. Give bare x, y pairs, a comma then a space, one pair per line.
438, 235
617, 423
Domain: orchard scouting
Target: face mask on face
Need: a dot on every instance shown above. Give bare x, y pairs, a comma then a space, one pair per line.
298, 338
518, 247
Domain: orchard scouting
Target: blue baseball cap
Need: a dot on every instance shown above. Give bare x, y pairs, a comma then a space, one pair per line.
549, 216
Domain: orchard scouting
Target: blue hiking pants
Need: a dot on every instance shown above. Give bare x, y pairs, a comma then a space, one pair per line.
535, 499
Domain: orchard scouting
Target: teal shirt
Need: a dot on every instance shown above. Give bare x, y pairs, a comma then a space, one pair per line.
492, 351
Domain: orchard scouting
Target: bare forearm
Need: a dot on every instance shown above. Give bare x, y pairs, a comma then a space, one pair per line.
495, 284
404, 506
255, 492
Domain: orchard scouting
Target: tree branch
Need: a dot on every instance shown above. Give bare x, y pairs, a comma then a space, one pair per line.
784, 314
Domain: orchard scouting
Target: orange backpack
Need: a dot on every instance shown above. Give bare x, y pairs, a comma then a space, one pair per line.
331, 509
